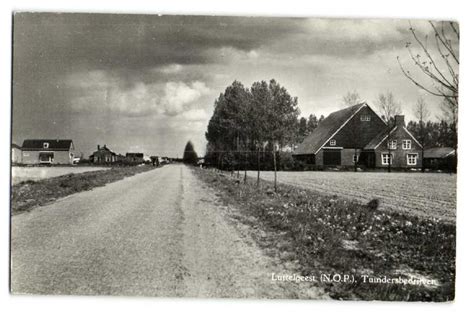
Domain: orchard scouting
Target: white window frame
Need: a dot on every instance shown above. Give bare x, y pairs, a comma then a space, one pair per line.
365, 118
406, 144
392, 144
408, 158
45, 145
390, 157
50, 159
332, 142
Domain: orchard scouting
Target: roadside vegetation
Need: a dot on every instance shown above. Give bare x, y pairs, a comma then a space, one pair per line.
29, 194
324, 234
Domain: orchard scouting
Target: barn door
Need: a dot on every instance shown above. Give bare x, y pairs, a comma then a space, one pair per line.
332, 157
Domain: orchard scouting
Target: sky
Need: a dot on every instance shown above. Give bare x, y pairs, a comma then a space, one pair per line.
147, 83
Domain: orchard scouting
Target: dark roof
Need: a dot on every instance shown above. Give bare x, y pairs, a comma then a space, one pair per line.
384, 133
441, 152
326, 129
133, 154
14, 145
54, 144
377, 139
103, 149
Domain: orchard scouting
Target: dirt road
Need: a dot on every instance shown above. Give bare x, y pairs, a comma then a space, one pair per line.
159, 233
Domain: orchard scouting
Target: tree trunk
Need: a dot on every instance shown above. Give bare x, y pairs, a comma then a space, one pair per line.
274, 168
422, 147
258, 166
238, 157
245, 168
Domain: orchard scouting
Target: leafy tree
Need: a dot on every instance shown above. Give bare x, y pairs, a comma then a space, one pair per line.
302, 130
251, 120
279, 117
189, 155
313, 122
228, 129
436, 134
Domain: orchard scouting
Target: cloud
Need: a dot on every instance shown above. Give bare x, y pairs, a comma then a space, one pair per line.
178, 96
171, 69
195, 115
98, 91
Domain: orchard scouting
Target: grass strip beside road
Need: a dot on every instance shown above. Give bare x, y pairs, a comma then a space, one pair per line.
29, 194
332, 235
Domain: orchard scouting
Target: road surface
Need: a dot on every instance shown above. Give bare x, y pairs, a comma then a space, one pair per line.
158, 233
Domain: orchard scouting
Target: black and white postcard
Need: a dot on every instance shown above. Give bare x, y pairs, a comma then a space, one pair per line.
234, 157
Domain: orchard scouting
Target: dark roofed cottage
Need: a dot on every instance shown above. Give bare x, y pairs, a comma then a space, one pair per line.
47, 151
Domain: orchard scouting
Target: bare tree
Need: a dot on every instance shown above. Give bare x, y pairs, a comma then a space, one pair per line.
439, 64
388, 107
422, 113
351, 98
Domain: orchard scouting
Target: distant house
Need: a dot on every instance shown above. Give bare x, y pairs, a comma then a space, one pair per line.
136, 158
358, 135
47, 151
103, 155
16, 154
155, 160
443, 158
120, 158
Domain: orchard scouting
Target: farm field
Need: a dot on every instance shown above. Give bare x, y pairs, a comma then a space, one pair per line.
20, 174
424, 194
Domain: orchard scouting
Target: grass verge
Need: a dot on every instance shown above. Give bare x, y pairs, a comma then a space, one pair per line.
331, 235
29, 194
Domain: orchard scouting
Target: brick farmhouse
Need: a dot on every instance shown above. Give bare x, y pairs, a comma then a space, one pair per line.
103, 155
358, 136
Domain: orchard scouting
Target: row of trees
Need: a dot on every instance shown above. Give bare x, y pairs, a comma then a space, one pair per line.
249, 123
306, 126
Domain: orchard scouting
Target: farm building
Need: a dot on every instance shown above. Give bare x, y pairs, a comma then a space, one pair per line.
443, 158
16, 154
397, 147
47, 151
357, 135
136, 158
103, 155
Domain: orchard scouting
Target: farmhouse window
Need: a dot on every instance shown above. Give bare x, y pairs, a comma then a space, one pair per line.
46, 157
355, 158
386, 158
45, 145
406, 144
392, 144
412, 158
332, 142
365, 118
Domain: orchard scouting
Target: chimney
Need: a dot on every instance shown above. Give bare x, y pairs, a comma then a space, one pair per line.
400, 120
98, 147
